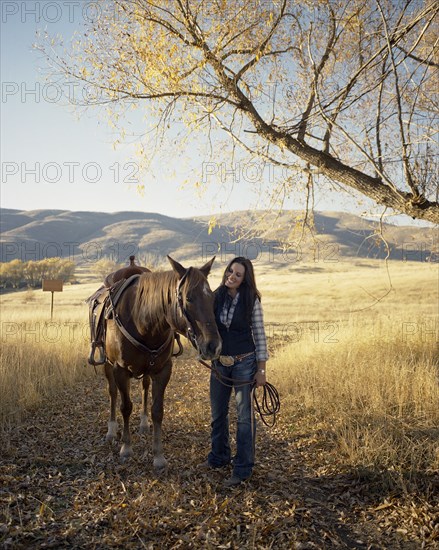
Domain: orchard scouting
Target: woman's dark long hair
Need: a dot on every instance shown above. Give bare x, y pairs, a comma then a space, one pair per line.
248, 291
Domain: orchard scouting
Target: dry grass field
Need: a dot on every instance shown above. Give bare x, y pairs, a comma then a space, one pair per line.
354, 355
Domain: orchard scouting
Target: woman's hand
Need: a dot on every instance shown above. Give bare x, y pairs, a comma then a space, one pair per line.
260, 376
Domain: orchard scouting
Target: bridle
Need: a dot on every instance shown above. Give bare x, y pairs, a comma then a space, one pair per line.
190, 332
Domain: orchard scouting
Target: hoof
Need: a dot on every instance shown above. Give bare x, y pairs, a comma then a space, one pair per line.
126, 452
112, 432
145, 426
160, 466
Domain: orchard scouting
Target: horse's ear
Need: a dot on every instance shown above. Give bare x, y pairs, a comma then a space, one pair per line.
178, 268
205, 270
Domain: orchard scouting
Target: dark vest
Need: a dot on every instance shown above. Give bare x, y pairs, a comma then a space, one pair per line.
238, 338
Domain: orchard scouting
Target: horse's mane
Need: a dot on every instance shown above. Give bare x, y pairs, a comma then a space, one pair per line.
157, 290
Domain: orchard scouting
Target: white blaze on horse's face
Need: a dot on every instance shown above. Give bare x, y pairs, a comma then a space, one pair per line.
206, 289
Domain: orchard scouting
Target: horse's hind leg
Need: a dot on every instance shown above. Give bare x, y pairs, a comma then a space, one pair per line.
112, 390
159, 383
145, 426
122, 379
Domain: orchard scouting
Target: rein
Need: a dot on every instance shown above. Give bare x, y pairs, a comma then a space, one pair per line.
270, 404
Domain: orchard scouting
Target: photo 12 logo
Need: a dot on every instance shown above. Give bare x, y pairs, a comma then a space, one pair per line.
420, 331
420, 251
325, 332
250, 172
61, 11
89, 252
74, 93
271, 251
49, 332
69, 172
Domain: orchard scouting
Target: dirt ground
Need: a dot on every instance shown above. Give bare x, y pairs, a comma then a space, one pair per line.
62, 486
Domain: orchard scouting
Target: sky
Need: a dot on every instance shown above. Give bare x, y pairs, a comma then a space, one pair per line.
53, 156
56, 157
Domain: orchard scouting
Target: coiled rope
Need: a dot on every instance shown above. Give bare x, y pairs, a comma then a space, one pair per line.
269, 405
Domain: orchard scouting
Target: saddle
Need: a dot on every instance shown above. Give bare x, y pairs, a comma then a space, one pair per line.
102, 303
125, 273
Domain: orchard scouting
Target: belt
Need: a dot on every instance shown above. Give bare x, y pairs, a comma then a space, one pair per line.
229, 360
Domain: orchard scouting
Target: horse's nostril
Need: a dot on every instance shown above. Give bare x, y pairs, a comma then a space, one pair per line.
212, 346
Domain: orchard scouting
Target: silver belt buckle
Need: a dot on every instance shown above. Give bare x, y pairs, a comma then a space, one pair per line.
226, 360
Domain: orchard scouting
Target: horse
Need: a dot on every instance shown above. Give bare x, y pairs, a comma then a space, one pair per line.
139, 339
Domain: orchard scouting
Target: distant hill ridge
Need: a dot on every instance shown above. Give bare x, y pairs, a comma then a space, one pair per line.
88, 236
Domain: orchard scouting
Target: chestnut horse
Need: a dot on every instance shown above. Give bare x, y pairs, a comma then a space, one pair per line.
140, 337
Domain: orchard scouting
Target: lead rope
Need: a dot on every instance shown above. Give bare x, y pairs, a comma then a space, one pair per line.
269, 406
270, 403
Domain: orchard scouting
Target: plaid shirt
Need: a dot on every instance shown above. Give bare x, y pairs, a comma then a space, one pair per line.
257, 325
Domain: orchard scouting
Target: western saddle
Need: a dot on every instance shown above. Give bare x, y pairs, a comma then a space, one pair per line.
102, 303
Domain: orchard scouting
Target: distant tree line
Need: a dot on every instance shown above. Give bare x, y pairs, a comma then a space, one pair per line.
18, 274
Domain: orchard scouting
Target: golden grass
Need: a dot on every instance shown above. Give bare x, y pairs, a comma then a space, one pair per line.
39, 355
375, 397
354, 352
356, 356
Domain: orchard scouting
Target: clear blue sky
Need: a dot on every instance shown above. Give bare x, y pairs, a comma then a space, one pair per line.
54, 157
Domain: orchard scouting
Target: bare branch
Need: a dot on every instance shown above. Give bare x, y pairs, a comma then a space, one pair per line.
404, 142
371, 109
427, 62
260, 49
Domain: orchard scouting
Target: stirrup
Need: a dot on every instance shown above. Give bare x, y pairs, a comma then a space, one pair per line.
102, 357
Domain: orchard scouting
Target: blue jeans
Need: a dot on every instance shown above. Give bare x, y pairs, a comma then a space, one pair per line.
220, 393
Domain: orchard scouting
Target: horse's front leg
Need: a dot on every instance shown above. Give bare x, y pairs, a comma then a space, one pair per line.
159, 383
123, 383
145, 426
112, 390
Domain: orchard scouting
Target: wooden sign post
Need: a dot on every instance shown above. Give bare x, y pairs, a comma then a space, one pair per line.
52, 285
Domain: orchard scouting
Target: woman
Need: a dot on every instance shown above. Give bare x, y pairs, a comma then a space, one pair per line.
239, 318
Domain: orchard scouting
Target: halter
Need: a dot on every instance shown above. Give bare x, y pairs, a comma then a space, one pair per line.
190, 333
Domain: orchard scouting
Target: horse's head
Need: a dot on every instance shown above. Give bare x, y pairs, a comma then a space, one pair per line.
195, 302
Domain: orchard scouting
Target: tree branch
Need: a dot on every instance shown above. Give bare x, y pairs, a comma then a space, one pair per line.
404, 141
427, 62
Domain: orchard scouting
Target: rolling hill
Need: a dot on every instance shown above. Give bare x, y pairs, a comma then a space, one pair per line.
88, 236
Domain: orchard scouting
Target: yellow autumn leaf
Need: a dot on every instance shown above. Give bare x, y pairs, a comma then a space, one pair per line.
212, 224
